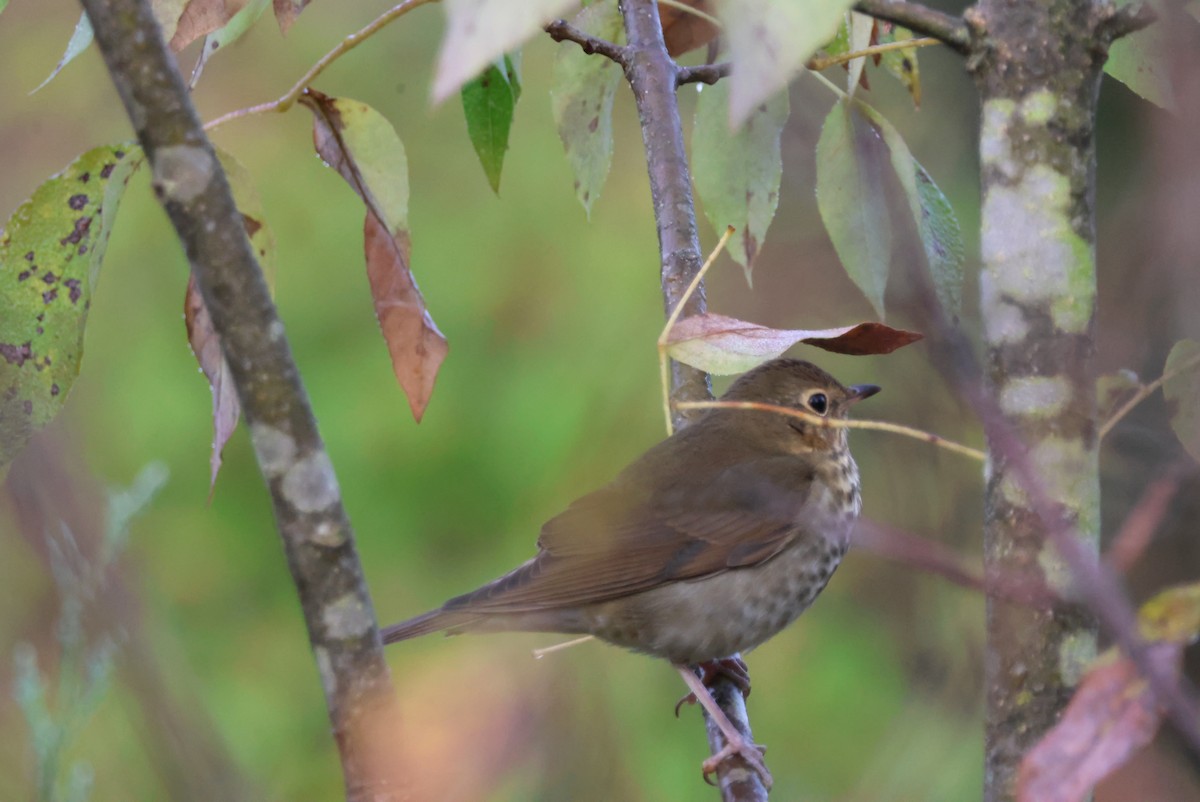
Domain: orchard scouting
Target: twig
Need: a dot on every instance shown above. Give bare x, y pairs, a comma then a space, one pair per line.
816, 63
1142, 394
289, 98
1122, 20
702, 73
563, 31
950, 30
309, 514
674, 318
840, 423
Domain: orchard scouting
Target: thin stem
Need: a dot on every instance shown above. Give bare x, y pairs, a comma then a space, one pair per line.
840, 423
289, 98
920, 19
841, 58
1142, 394
674, 318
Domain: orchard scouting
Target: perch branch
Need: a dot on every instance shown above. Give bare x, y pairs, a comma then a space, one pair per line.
312, 522
653, 77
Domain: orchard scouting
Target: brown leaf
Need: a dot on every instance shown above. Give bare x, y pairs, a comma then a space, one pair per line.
1112, 715
286, 12
202, 17
719, 344
361, 145
683, 31
416, 346
206, 345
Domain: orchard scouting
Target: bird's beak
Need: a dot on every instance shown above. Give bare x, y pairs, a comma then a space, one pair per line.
860, 391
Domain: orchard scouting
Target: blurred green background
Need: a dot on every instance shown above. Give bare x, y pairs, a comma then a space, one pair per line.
550, 387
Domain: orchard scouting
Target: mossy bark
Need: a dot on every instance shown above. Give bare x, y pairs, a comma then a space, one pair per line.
1038, 66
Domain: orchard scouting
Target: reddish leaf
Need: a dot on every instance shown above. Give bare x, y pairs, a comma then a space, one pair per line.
684, 31
719, 344
416, 346
363, 147
1112, 715
206, 345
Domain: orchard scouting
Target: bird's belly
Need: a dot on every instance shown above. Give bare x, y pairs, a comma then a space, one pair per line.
714, 617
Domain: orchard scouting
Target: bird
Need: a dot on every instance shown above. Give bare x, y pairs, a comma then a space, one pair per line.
704, 547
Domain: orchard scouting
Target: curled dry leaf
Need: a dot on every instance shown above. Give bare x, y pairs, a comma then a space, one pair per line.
206, 345
362, 146
286, 12
724, 345
1112, 715
684, 31
202, 17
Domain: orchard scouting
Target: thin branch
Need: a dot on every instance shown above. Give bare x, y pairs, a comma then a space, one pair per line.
309, 514
843, 423
563, 31
289, 98
702, 73
816, 63
950, 30
1142, 394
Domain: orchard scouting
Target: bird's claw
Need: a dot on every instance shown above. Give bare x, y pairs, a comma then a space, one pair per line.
731, 668
752, 754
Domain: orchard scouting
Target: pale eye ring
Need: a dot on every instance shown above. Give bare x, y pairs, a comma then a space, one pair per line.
818, 403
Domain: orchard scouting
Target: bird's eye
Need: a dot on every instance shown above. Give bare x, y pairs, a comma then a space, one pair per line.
818, 403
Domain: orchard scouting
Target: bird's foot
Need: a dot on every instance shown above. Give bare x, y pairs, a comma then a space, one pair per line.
751, 753
736, 744
733, 669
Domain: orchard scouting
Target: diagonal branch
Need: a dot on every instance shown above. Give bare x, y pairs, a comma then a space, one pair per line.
921, 19
312, 522
563, 31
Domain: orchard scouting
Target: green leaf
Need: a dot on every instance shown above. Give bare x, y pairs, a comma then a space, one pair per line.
488, 103
851, 164
478, 32
769, 42
901, 64
582, 101
861, 27
81, 37
1182, 393
737, 173
1139, 60
932, 214
50, 254
3, 5
362, 146
229, 33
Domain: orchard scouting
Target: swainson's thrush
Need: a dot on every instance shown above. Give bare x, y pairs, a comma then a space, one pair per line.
705, 546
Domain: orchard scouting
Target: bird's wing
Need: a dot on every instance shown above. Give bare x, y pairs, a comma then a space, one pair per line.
616, 542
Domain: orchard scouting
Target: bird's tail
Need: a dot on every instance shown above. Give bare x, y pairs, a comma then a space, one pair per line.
438, 620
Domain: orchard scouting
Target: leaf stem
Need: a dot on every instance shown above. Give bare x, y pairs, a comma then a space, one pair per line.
1142, 394
833, 423
695, 12
289, 98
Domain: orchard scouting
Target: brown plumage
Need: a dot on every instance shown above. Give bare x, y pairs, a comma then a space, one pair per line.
705, 546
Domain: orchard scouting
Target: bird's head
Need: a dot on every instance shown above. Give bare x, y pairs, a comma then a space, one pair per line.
800, 385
